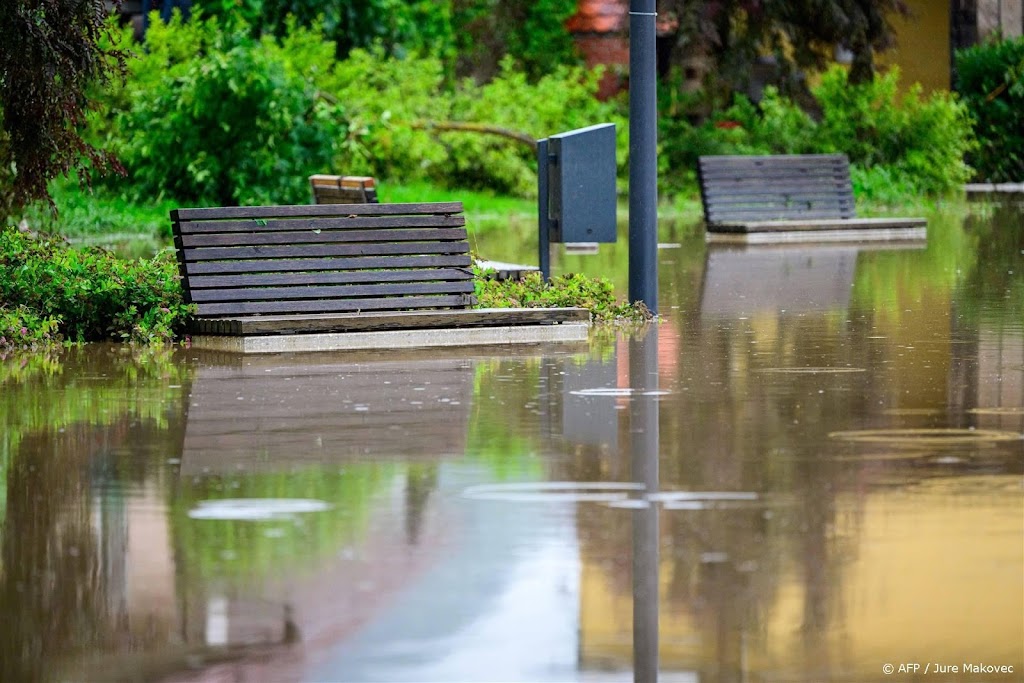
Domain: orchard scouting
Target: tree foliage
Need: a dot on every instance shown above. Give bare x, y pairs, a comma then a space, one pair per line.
531, 32
397, 26
990, 80
50, 52
471, 37
730, 36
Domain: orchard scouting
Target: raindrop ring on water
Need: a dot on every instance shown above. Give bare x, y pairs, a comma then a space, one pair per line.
997, 411
617, 392
929, 437
552, 491
256, 509
615, 494
811, 370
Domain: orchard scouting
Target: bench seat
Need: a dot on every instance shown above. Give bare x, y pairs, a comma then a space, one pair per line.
344, 276
790, 198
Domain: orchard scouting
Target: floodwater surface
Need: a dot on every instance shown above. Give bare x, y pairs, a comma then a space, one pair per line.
809, 471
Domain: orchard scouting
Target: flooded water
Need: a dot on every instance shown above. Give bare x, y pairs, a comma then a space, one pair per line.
811, 470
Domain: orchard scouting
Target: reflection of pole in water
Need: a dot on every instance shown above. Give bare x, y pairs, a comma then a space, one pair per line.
643, 427
420, 480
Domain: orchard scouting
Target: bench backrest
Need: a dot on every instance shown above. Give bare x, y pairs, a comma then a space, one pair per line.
737, 189
343, 189
254, 260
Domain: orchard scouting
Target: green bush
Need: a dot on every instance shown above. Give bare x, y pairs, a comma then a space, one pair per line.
990, 79
89, 293
224, 122
25, 330
213, 116
775, 126
572, 290
911, 143
397, 109
922, 141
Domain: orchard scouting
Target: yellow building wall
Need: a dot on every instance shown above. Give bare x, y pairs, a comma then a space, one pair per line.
922, 46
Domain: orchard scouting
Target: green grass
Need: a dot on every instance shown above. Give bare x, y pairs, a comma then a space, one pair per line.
479, 205
98, 215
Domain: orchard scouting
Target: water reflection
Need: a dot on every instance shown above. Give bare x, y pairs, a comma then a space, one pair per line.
680, 505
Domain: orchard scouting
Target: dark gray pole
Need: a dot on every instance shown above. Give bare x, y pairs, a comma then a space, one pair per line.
543, 219
643, 155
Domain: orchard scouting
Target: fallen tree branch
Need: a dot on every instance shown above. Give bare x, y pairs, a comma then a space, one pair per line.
483, 128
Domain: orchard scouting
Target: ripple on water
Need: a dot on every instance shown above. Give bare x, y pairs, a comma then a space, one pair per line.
927, 437
824, 370
256, 509
618, 392
997, 411
625, 495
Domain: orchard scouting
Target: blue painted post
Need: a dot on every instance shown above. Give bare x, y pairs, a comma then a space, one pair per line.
643, 155
543, 218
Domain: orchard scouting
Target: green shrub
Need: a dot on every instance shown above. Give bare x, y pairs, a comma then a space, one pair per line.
226, 123
775, 126
91, 294
911, 143
573, 290
397, 109
922, 141
990, 79
216, 117
24, 329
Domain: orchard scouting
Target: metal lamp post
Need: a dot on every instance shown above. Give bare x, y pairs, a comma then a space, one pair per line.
643, 155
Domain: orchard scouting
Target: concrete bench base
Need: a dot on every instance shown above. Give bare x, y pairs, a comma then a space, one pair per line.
835, 235
395, 339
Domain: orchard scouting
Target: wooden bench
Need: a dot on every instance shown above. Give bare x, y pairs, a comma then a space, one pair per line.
343, 189
789, 198
315, 277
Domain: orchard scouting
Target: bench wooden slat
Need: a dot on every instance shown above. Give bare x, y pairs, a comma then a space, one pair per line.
318, 250
777, 161
315, 264
825, 177
326, 278
759, 186
334, 305
329, 291
322, 223
325, 237
313, 210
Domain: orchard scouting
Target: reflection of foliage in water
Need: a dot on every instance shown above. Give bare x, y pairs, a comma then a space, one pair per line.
497, 440
97, 386
994, 288
69, 426
224, 548
887, 280
512, 403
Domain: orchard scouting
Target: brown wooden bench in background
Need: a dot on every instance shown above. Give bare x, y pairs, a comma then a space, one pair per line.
316, 277
343, 189
789, 198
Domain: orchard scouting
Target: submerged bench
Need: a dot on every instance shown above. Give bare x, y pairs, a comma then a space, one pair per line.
319, 277
789, 198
